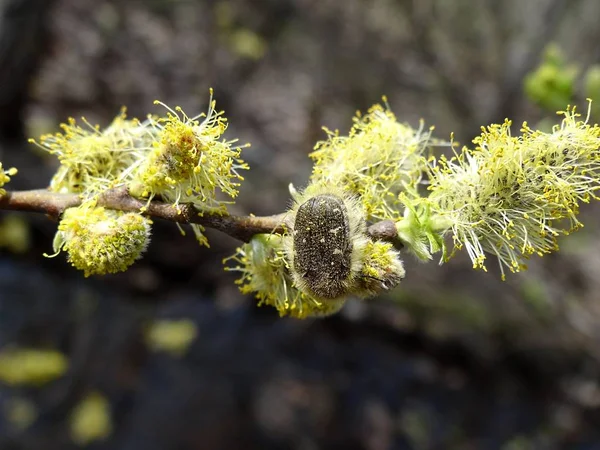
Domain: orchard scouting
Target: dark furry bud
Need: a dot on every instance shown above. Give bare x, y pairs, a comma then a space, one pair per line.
323, 245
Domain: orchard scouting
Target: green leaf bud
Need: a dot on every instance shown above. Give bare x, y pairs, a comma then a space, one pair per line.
552, 84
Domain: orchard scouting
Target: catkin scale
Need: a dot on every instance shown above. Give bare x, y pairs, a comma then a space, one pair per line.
323, 246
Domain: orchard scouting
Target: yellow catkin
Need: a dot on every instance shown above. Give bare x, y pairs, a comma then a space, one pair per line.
512, 196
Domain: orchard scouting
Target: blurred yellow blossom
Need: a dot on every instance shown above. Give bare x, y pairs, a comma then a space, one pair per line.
171, 336
14, 233
91, 419
5, 175
29, 366
20, 412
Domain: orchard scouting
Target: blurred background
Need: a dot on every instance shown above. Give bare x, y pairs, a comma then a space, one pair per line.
169, 355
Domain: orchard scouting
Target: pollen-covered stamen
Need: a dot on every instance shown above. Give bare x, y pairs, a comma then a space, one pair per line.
377, 160
101, 241
382, 269
5, 176
93, 160
264, 272
513, 195
190, 162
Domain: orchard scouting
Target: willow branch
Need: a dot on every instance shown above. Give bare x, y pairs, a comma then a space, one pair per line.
242, 228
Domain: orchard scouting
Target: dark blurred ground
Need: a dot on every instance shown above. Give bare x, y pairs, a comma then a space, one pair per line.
453, 359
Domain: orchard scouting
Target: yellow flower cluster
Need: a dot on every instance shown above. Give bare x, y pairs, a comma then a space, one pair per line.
381, 270
93, 160
101, 241
5, 177
513, 195
177, 158
188, 162
379, 159
265, 272
326, 256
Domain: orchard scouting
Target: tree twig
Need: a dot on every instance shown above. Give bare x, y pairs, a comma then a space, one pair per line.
238, 227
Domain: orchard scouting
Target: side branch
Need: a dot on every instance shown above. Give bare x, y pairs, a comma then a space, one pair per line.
238, 227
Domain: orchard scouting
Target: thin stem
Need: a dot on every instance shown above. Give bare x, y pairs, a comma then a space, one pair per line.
242, 228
